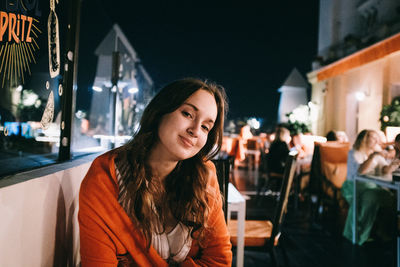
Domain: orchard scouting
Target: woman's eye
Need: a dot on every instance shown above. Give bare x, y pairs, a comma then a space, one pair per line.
205, 128
187, 114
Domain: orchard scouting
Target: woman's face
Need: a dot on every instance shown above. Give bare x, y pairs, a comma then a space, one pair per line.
372, 140
183, 132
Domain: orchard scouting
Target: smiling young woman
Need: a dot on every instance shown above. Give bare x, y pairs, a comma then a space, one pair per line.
155, 201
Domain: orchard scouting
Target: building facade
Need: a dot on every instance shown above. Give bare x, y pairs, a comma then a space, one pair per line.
357, 69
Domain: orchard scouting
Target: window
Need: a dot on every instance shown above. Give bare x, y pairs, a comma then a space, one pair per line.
113, 85
33, 37
55, 103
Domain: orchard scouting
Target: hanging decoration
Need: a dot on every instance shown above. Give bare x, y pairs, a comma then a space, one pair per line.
48, 113
54, 41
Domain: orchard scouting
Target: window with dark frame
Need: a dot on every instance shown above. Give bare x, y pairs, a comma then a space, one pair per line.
37, 45
54, 104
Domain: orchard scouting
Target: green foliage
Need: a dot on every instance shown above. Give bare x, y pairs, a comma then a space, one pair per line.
299, 120
298, 127
390, 114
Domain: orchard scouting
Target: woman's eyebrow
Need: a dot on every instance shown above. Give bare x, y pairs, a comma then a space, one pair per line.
193, 106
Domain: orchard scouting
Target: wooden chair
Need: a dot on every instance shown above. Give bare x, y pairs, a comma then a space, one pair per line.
253, 153
269, 180
223, 169
266, 233
328, 173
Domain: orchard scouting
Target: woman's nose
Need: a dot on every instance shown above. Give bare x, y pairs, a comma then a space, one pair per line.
194, 128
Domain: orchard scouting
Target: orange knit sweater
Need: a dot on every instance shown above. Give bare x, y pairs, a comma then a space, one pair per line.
106, 230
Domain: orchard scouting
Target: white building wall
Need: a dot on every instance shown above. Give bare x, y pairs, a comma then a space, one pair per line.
291, 98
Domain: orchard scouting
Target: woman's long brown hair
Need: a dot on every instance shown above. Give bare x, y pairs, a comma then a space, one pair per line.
361, 137
185, 187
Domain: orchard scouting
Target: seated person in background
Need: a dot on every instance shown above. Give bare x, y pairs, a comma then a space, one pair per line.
297, 145
397, 146
245, 133
331, 136
278, 151
339, 136
267, 143
393, 151
365, 158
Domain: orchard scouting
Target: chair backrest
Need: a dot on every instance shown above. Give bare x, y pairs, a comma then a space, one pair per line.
223, 169
334, 161
315, 171
308, 142
253, 144
334, 152
288, 176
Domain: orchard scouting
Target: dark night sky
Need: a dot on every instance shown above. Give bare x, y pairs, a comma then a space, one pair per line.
249, 47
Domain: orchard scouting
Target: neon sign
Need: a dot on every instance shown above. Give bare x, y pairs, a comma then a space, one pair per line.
18, 35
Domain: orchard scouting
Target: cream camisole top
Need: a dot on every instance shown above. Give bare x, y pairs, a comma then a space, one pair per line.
173, 246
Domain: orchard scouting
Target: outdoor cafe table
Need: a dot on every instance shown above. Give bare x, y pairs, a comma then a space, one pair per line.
383, 181
237, 203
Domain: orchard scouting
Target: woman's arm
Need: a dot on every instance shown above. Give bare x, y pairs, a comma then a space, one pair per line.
377, 160
96, 246
391, 167
369, 163
107, 234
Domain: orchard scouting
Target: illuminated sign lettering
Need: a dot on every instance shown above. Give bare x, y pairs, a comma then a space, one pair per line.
17, 26
18, 34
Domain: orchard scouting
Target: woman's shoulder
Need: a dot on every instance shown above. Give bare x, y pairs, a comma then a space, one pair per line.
104, 162
211, 171
212, 179
358, 155
101, 173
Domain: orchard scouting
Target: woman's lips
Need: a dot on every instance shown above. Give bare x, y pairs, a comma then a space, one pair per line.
186, 141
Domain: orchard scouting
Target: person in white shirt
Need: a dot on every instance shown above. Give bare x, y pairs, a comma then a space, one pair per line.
366, 157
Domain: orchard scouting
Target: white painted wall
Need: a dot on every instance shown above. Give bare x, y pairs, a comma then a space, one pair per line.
291, 97
38, 216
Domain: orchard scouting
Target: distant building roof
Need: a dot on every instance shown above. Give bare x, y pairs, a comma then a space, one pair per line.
295, 79
116, 41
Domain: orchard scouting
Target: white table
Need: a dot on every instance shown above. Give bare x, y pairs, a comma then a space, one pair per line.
384, 182
237, 203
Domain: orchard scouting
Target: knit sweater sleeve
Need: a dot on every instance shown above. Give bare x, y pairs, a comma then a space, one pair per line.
96, 244
107, 235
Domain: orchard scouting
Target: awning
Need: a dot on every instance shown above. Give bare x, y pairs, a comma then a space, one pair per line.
362, 57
